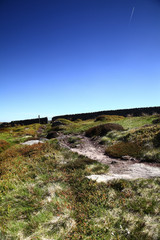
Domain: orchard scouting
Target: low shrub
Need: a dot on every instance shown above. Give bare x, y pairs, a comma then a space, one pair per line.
156, 140
100, 118
103, 129
120, 149
3, 145
52, 134
73, 139
109, 118
30, 150
57, 128
156, 121
78, 120
25, 151
63, 121
151, 156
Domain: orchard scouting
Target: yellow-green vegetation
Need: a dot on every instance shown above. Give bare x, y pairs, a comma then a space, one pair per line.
103, 129
44, 192
142, 142
19, 134
80, 126
109, 118
140, 138
133, 122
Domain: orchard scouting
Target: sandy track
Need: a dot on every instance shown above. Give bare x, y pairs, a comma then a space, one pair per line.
118, 169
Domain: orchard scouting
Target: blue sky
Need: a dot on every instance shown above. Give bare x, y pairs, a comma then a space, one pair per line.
72, 56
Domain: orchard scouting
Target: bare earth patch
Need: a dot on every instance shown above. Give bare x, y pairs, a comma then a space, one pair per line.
118, 169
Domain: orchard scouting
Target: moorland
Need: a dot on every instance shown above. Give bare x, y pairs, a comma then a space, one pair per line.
46, 191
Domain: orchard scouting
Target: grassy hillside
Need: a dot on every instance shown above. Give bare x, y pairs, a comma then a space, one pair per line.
44, 192
140, 138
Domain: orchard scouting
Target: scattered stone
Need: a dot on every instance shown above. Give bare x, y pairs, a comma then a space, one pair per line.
31, 142
113, 162
135, 171
106, 178
121, 170
27, 136
128, 158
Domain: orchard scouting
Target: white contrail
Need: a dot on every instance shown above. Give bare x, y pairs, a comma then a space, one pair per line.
132, 14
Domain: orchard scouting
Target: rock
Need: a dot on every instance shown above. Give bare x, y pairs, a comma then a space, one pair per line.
128, 158
31, 142
51, 134
113, 162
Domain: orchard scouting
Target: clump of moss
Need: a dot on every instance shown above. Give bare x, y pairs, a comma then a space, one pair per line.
120, 149
102, 130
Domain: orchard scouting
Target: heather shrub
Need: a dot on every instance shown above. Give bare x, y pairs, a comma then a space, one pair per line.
30, 150
156, 140
120, 149
25, 151
103, 129
52, 134
3, 145
100, 118
57, 128
151, 156
156, 121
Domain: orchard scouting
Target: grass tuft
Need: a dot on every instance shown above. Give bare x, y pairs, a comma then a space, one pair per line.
103, 129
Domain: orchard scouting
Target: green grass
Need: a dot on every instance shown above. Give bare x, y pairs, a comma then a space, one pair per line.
141, 142
127, 123
44, 192
134, 122
117, 210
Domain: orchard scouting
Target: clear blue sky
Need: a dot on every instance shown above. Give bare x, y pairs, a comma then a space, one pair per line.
72, 56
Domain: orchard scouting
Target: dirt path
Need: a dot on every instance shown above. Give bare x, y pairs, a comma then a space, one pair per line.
118, 169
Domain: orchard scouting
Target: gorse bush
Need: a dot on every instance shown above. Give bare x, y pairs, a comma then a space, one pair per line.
103, 129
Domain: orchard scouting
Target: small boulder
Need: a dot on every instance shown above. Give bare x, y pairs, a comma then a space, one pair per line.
113, 162
127, 158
